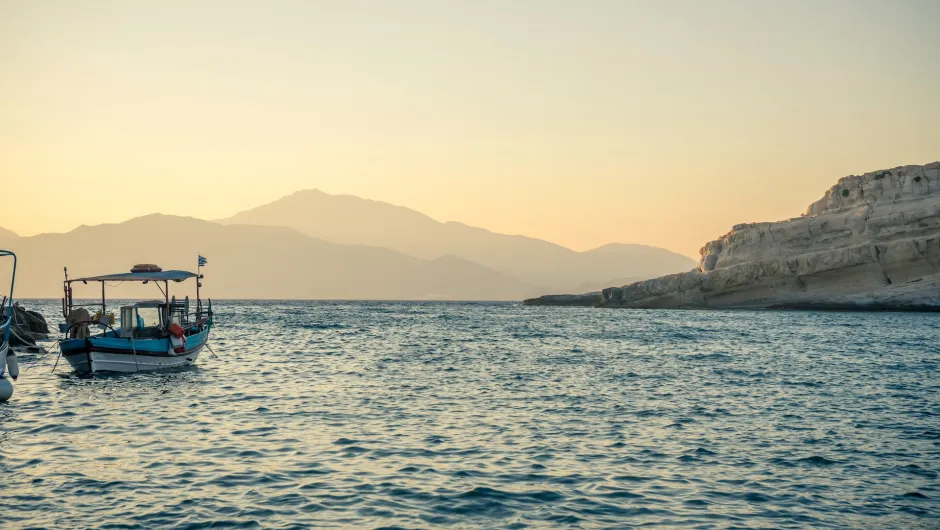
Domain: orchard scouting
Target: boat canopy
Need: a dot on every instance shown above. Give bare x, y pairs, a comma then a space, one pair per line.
162, 276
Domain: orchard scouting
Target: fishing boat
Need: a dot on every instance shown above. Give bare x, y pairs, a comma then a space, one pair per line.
149, 335
8, 360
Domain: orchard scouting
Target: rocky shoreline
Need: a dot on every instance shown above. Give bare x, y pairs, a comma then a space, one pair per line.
871, 243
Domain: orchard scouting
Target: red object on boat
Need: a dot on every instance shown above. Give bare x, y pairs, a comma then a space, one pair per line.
176, 330
177, 340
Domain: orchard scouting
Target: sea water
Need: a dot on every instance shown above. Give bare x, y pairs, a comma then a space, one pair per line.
477, 415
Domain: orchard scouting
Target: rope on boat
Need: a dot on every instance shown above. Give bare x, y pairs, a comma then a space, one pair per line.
41, 357
134, 347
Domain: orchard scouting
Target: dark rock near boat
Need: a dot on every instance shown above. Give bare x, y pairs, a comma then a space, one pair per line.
27, 327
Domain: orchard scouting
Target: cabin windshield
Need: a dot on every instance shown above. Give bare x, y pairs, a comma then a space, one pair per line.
148, 317
142, 322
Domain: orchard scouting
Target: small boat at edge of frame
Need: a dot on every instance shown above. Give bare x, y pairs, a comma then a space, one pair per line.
150, 335
8, 362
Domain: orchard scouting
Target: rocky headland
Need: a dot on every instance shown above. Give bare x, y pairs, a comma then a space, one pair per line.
872, 242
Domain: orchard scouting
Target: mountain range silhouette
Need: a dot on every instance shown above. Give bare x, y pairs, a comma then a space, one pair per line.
312, 245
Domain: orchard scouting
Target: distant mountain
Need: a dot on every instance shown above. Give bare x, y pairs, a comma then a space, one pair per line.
7, 234
352, 220
249, 262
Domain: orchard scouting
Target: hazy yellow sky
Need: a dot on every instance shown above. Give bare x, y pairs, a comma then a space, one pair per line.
581, 122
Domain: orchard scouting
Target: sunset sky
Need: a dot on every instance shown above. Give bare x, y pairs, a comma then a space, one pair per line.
580, 122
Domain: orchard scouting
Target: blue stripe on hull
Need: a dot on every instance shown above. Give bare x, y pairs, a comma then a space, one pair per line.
75, 350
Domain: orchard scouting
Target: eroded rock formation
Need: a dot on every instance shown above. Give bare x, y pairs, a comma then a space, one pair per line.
872, 242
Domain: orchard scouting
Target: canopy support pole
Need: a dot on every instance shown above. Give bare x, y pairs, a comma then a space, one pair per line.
198, 284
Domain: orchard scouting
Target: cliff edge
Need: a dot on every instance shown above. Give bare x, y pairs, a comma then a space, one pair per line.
871, 242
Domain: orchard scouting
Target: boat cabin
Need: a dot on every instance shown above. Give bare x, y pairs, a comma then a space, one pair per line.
152, 318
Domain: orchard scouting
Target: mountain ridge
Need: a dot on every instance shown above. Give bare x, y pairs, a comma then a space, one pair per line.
458, 261
250, 261
348, 219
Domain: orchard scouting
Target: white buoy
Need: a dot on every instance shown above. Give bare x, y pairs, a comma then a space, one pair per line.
6, 389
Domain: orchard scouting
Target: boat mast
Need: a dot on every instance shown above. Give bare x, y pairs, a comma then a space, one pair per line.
198, 285
166, 296
67, 301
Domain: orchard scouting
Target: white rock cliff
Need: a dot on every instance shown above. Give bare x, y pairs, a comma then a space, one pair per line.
872, 242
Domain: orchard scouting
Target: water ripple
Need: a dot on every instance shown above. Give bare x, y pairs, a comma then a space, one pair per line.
421, 415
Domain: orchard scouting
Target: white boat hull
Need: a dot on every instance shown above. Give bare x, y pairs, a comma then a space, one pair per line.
3, 356
6, 387
122, 362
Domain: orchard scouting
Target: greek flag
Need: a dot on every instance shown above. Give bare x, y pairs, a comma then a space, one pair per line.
202, 261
